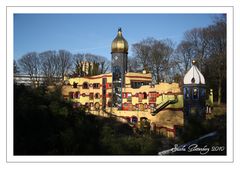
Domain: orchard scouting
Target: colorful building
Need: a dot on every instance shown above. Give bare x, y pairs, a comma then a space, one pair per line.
129, 96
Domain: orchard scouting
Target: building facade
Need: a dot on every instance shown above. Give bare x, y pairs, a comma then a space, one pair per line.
129, 96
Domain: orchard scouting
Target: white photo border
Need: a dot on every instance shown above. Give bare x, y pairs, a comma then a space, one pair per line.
11, 10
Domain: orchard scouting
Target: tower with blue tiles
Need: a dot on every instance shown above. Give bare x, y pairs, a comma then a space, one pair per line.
194, 91
119, 68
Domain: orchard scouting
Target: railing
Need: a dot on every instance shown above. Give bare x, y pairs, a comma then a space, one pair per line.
33, 80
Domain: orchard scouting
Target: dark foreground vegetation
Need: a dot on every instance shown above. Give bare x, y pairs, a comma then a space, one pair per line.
45, 124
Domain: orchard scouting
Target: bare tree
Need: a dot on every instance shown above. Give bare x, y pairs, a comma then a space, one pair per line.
160, 56
30, 64
15, 67
183, 56
78, 66
134, 65
142, 52
104, 66
197, 37
64, 62
154, 56
49, 63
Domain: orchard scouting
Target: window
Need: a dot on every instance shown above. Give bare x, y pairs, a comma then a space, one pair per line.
109, 103
193, 80
203, 92
75, 85
152, 106
129, 97
90, 96
145, 106
97, 96
77, 95
86, 104
116, 74
195, 94
144, 95
136, 107
110, 95
186, 93
71, 95
134, 119
85, 85
141, 107
96, 85
140, 97
97, 106
152, 97
124, 95
138, 84
125, 106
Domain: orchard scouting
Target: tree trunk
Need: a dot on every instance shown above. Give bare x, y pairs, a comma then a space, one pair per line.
158, 75
219, 91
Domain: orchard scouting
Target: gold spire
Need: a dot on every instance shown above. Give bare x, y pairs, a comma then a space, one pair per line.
119, 44
193, 62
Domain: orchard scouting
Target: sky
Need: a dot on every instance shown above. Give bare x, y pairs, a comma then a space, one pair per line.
94, 33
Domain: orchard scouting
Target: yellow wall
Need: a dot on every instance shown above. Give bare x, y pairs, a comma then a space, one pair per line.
167, 117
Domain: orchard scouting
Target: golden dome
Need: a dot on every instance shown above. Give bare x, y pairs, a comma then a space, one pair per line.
119, 44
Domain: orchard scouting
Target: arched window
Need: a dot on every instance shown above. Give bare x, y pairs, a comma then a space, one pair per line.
75, 85
109, 95
71, 95
141, 107
145, 106
129, 97
195, 94
134, 119
77, 95
97, 95
90, 96
144, 95
186, 93
136, 107
109, 103
87, 105
140, 97
85, 85
97, 106
203, 92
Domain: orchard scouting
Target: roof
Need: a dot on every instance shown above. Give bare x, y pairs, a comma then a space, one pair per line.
119, 44
193, 76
